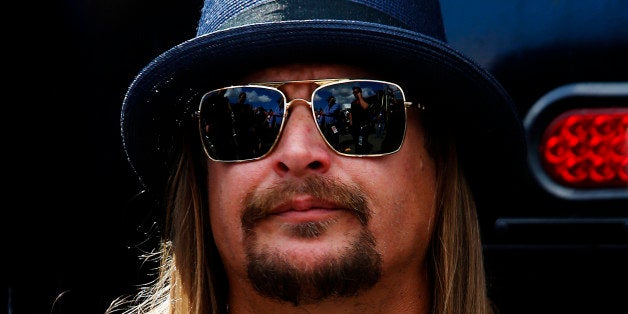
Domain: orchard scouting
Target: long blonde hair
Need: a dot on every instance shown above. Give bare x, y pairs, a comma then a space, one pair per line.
191, 276
456, 249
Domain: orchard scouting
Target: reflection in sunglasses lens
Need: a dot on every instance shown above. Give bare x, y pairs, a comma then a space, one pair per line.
241, 123
361, 117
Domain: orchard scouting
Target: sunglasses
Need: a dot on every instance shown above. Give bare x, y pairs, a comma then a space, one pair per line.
355, 117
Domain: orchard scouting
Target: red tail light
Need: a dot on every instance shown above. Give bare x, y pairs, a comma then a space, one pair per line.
578, 141
587, 148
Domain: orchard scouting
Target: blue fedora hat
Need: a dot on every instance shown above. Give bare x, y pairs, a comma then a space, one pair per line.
403, 39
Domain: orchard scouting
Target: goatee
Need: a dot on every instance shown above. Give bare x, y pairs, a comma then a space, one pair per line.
343, 274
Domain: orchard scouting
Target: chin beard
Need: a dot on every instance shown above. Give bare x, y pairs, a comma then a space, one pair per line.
337, 274
356, 269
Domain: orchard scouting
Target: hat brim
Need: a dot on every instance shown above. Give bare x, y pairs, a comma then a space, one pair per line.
486, 124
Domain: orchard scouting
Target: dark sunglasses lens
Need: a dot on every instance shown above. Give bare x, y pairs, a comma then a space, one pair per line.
361, 117
240, 123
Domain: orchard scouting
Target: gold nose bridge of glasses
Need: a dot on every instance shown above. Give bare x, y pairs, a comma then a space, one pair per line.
319, 83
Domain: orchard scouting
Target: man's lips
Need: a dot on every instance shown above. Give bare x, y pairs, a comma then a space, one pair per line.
312, 199
305, 207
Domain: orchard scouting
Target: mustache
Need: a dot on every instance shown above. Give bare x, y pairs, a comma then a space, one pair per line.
259, 203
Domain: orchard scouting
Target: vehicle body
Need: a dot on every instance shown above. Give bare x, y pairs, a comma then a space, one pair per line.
558, 248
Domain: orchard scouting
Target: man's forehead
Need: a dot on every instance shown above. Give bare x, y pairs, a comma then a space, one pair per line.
300, 71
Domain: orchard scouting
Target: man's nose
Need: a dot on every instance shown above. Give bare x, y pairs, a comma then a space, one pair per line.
298, 90
301, 150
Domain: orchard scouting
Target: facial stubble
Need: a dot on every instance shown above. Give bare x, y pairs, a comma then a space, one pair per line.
337, 274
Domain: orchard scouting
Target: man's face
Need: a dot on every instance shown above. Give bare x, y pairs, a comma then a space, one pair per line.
305, 218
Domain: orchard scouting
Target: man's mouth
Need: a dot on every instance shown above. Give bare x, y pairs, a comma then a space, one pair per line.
305, 208
303, 203
313, 199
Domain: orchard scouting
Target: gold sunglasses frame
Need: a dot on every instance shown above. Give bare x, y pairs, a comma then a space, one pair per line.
320, 83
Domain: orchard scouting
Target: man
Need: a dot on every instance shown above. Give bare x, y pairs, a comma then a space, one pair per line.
359, 120
330, 121
301, 226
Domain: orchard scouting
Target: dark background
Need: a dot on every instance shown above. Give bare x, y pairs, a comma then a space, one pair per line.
71, 215
74, 227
